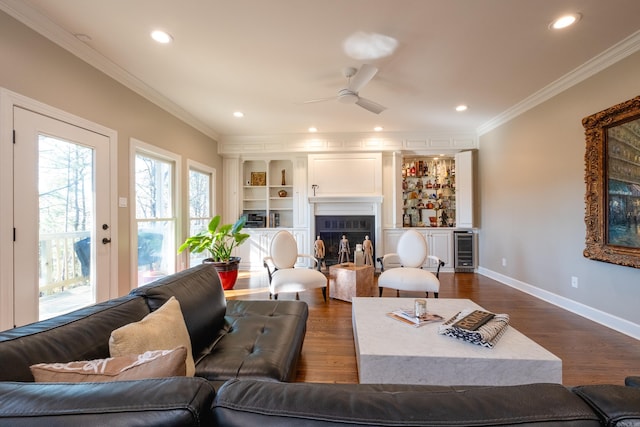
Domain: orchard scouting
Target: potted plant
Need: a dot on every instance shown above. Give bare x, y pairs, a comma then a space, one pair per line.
219, 240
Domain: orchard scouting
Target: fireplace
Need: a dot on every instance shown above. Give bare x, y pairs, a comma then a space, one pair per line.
331, 228
355, 217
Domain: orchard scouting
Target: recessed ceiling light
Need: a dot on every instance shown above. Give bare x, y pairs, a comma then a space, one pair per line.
238, 114
565, 21
313, 129
461, 108
161, 36
378, 128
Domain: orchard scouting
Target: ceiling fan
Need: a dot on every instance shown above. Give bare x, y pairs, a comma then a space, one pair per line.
357, 79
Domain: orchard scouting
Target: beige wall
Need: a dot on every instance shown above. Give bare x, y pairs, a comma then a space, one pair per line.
531, 184
39, 69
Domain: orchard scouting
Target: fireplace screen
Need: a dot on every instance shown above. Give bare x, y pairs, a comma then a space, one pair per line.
355, 228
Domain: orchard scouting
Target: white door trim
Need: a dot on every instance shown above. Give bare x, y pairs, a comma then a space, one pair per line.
8, 100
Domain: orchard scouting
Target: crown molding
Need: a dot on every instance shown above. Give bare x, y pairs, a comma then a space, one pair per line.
33, 19
596, 64
408, 142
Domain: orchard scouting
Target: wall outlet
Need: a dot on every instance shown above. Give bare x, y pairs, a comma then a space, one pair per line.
504, 262
574, 282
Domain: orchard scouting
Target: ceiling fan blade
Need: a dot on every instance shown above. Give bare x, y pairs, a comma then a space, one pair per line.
369, 105
311, 101
362, 77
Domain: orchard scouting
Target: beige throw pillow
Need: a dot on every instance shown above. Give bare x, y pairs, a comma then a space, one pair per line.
162, 329
151, 364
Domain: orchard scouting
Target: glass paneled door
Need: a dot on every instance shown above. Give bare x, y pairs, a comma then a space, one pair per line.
62, 243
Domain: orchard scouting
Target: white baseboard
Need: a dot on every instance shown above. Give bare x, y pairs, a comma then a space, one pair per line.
621, 325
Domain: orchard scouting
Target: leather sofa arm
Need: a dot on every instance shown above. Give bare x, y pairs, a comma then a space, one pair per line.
176, 401
615, 404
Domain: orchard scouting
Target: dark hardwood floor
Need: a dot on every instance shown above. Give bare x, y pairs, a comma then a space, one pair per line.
590, 352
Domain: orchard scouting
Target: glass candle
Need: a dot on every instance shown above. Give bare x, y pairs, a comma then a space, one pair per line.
420, 308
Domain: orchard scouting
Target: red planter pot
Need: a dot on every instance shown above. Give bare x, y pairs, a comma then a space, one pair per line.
228, 271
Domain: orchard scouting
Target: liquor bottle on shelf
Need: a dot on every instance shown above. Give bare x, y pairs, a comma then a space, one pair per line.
406, 220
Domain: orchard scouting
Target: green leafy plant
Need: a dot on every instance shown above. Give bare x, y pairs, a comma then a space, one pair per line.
218, 239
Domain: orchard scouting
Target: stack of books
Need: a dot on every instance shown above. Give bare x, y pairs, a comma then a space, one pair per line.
408, 317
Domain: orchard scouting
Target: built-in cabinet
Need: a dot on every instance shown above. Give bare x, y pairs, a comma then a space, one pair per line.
277, 192
428, 192
268, 190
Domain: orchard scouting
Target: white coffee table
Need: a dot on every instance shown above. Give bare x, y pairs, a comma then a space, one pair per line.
391, 352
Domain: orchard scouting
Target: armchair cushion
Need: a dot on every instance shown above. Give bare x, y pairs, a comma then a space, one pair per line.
296, 280
409, 279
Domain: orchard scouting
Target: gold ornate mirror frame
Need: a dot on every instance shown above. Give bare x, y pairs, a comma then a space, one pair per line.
612, 178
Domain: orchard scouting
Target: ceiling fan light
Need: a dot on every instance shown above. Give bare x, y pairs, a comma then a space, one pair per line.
347, 97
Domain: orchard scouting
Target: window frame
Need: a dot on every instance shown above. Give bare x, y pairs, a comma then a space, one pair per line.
137, 147
193, 165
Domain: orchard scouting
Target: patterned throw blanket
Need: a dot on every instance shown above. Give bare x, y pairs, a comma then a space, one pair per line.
486, 335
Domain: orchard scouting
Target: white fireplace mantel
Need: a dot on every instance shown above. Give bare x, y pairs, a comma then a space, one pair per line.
346, 199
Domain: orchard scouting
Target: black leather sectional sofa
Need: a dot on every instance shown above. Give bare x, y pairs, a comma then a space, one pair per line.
246, 355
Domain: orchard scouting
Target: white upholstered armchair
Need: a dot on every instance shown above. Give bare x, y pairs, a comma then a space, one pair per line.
403, 270
283, 277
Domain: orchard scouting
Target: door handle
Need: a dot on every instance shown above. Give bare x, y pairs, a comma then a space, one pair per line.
105, 240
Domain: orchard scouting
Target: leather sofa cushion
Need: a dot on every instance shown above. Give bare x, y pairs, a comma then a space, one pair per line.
201, 298
261, 339
150, 364
163, 329
80, 335
167, 402
247, 402
616, 405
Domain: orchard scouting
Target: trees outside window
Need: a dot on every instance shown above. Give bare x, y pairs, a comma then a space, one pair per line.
155, 212
201, 184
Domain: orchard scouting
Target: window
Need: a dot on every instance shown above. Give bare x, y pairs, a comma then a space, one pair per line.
155, 190
201, 187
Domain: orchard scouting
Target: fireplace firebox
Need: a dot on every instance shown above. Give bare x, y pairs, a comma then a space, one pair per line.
330, 228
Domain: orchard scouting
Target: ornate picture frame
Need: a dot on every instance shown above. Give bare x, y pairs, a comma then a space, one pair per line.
612, 178
259, 179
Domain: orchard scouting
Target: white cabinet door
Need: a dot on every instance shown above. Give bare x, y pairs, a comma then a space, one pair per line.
464, 189
255, 249
344, 175
390, 239
441, 245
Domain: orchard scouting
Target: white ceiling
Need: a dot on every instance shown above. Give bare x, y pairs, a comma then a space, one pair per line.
264, 57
